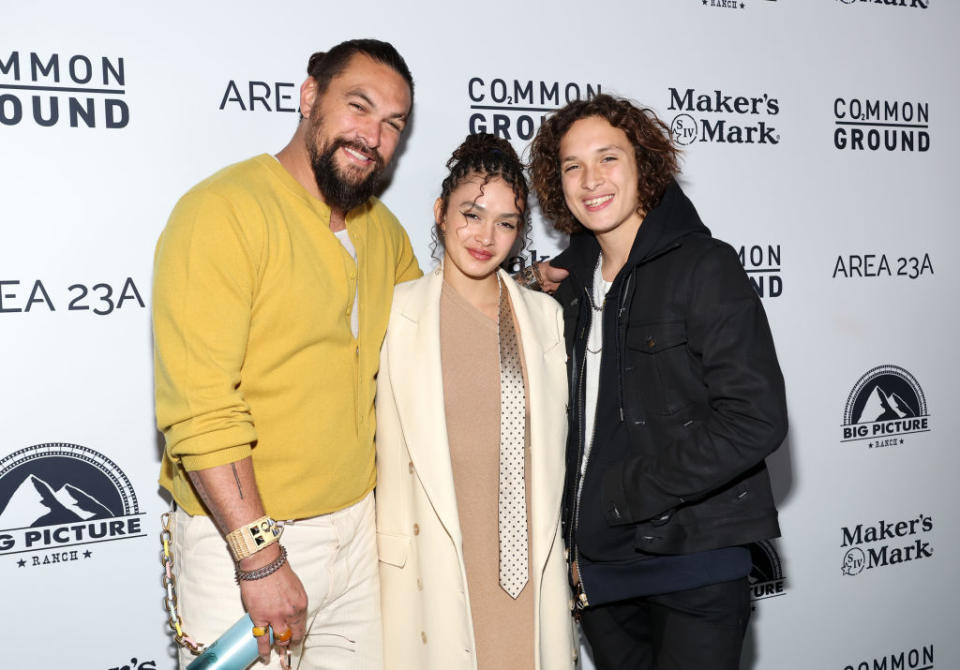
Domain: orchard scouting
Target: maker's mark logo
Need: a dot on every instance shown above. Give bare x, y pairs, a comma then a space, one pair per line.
916, 4
723, 117
854, 561
885, 543
57, 497
886, 404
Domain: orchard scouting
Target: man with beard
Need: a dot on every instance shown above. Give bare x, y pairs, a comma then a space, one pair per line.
272, 289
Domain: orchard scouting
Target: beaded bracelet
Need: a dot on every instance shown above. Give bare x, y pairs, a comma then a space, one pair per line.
263, 571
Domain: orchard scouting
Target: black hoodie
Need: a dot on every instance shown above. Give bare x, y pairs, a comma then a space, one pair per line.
690, 402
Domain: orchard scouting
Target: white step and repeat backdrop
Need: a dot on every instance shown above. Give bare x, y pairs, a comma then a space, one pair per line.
820, 138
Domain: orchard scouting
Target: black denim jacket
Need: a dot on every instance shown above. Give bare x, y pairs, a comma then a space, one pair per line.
691, 397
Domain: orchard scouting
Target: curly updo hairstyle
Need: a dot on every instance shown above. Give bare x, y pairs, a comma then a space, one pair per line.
488, 157
656, 155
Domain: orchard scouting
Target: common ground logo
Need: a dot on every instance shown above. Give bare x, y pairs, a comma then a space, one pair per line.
723, 117
917, 658
885, 543
885, 405
59, 499
766, 576
761, 262
53, 89
915, 4
515, 108
881, 125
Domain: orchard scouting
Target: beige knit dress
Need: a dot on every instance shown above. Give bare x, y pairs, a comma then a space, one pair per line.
470, 361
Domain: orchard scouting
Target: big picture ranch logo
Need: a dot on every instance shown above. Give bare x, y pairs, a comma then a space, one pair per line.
727, 4
885, 404
766, 575
58, 497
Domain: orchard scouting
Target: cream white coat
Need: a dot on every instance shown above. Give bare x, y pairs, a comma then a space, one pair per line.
425, 602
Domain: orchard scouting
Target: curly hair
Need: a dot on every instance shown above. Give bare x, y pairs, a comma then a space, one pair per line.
488, 157
656, 155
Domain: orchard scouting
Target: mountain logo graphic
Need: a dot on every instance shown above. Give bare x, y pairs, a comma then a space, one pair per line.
36, 503
881, 405
58, 494
886, 402
56, 483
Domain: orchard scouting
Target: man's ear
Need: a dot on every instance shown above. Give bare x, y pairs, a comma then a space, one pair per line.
308, 96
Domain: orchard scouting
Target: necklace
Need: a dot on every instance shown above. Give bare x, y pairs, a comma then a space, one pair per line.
594, 305
597, 280
601, 297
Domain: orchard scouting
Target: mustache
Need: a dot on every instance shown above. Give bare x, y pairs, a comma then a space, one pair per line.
361, 148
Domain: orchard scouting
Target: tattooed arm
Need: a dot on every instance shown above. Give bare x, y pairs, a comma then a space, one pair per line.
230, 493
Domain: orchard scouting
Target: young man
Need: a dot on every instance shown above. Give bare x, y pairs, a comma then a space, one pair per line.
676, 397
272, 291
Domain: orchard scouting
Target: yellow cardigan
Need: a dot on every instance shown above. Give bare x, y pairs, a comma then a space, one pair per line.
254, 355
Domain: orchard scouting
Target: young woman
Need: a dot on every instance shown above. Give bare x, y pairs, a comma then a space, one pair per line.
676, 397
471, 402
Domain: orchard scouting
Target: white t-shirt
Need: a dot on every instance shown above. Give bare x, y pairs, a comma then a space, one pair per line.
594, 355
355, 315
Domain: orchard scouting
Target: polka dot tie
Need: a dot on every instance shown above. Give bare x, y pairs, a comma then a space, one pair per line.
512, 505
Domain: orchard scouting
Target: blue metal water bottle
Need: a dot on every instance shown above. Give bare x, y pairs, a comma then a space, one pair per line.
234, 650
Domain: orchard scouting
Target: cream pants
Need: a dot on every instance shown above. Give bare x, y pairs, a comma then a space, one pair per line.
334, 555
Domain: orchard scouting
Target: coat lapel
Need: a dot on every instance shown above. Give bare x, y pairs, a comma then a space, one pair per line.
418, 389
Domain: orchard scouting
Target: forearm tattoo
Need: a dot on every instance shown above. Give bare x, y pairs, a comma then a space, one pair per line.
236, 476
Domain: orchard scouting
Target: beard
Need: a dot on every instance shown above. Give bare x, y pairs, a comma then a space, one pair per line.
340, 189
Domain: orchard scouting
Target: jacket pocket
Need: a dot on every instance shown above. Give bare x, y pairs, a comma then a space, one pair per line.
393, 549
658, 366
